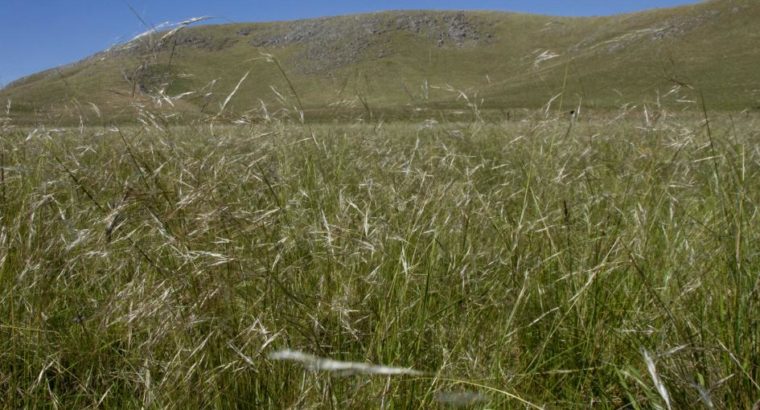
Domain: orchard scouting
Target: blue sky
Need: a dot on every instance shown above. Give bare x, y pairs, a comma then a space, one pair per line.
40, 34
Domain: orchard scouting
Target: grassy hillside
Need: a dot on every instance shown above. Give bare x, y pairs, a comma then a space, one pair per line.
399, 63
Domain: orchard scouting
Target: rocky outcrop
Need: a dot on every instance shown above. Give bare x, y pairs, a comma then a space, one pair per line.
330, 43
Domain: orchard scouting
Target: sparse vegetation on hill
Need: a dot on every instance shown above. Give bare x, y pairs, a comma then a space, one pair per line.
394, 63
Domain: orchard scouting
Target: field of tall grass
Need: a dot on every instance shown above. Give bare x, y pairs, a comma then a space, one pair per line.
539, 263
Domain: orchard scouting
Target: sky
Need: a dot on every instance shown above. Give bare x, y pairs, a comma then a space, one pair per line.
40, 34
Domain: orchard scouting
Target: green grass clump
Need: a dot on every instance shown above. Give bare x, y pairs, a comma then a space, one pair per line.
533, 263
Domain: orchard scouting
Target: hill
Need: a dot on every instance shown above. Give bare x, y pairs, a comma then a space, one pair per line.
399, 63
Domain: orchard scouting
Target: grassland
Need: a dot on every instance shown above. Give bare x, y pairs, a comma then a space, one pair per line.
547, 262
395, 63
305, 215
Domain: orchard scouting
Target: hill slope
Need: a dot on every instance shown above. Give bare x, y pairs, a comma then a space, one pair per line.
381, 63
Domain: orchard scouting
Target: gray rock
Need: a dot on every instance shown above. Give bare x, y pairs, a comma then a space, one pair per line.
331, 43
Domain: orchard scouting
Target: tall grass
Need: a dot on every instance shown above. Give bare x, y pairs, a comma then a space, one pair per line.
526, 264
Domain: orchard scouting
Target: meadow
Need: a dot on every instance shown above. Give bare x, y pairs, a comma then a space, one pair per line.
548, 262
